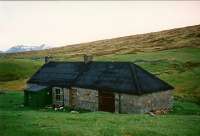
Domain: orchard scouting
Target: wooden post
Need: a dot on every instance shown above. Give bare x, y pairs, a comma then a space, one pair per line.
119, 103
87, 58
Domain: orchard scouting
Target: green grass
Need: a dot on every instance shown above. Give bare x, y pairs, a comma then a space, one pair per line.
179, 54
14, 72
184, 120
12, 69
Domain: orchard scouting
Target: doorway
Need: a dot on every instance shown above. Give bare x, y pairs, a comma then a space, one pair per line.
106, 101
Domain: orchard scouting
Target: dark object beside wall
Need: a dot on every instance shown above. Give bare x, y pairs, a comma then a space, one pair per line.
38, 98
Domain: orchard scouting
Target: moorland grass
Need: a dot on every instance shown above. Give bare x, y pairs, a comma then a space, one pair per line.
179, 67
155, 41
15, 72
13, 69
15, 120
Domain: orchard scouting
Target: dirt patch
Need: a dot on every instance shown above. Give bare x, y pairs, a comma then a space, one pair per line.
190, 64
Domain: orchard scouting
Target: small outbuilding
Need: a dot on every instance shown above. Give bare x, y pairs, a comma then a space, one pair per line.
121, 87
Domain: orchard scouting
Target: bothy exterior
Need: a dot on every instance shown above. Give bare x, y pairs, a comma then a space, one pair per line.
121, 87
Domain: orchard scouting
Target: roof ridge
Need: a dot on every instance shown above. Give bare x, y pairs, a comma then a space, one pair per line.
82, 70
92, 62
135, 77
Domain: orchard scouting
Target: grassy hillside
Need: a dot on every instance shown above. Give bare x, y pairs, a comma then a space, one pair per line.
19, 121
173, 55
169, 39
179, 67
17, 69
13, 73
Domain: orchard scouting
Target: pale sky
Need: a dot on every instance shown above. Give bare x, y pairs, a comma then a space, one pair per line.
62, 23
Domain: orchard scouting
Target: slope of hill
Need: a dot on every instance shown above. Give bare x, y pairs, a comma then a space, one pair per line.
176, 62
14, 73
16, 69
168, 39
179, 67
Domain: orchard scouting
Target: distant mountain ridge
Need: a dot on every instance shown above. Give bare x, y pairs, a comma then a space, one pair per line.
24, 48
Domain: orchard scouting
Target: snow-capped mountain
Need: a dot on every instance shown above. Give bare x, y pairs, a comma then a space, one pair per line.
23, 48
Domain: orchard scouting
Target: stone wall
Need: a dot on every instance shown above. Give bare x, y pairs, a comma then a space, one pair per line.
126, 103
86, 99
79, 98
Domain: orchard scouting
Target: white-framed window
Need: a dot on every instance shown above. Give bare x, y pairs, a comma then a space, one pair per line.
58, 95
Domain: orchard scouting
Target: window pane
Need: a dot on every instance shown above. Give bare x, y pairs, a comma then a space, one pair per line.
58, 97
57, 91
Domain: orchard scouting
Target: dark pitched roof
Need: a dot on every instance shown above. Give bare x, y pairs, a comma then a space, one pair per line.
122, 77
57, 73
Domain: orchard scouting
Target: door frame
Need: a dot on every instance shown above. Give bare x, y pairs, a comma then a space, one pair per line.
105, 97
72, 97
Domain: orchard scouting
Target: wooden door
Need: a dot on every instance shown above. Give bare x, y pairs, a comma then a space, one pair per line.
106, 101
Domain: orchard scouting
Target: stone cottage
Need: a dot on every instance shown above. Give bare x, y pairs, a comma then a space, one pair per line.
121, 87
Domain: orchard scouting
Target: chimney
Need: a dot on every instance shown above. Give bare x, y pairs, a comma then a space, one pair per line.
47, 59
87, 58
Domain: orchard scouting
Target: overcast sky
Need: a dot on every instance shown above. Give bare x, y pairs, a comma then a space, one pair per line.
61, 23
